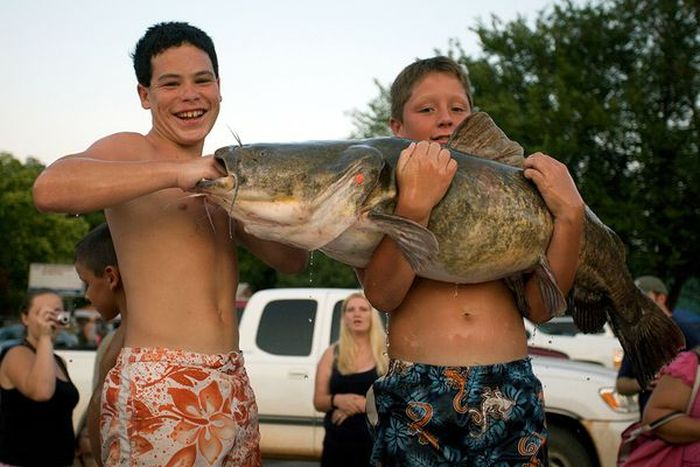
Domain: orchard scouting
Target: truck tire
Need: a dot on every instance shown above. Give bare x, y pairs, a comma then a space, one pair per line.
568, 450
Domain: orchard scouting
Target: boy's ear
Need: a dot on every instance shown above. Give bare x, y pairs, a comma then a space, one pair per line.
395, 126
114, 279
143, 96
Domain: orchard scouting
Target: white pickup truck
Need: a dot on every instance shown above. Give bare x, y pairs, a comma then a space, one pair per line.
283, 333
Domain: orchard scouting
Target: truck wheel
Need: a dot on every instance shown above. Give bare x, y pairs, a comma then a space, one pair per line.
566, 449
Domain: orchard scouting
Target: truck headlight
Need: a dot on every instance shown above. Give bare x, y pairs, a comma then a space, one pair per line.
617, 358
618, 402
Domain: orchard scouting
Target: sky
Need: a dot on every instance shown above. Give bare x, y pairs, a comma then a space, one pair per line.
290, 70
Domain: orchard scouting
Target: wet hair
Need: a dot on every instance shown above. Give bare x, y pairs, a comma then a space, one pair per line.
404, 83
163, 36
377, 340
31, 295
95, 250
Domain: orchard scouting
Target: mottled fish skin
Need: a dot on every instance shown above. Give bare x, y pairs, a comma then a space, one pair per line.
339, 197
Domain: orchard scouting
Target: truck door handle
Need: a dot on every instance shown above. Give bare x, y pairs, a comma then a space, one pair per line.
298, 374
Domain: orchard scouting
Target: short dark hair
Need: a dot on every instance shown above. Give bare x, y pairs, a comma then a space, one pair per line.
163, 36
95, 250
405, 81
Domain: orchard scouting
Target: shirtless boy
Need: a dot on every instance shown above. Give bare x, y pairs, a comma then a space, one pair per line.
179, 391
460, 388
97, 266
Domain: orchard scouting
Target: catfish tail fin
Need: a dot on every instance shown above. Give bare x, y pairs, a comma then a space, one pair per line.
651, 342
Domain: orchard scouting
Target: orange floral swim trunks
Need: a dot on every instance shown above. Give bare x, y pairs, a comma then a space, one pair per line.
164, 407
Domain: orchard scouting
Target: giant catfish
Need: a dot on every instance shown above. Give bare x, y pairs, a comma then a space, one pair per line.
339, 197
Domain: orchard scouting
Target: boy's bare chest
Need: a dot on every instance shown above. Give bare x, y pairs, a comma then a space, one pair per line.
176, 206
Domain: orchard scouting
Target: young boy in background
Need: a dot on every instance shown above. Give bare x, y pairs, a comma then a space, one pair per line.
460, 387
96, 265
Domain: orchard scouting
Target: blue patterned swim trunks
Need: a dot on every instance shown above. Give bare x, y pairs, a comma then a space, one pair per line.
430, 416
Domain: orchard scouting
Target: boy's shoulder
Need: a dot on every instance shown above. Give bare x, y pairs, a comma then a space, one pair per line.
122, 146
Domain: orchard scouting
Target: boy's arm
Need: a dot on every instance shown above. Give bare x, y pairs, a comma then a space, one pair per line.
284, 258
112, 171
567, 207
423, 175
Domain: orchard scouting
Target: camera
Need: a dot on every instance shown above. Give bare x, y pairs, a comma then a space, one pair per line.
62, 318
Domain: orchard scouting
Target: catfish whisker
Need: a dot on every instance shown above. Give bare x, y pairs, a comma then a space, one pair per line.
188, 196
206, 209
233, 201
235, 135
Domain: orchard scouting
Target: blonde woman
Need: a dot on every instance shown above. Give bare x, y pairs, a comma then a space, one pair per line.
344, 374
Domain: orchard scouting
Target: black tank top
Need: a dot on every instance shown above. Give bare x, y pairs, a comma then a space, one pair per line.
38, 433
355, 427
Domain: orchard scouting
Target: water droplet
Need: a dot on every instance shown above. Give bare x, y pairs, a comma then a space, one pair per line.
311, 267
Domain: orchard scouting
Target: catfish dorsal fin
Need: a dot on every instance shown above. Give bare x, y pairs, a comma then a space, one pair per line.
479, 136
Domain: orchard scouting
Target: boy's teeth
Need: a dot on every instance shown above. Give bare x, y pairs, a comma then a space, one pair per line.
191, 114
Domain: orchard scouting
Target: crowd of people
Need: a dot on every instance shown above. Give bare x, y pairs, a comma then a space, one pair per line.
391, 398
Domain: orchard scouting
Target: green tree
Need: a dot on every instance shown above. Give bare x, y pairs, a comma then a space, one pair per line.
26, 235
375, 120
321, 271
610, 89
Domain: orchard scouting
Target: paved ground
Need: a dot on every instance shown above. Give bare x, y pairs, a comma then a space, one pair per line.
288, 463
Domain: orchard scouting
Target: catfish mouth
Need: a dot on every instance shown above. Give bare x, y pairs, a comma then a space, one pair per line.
223, 190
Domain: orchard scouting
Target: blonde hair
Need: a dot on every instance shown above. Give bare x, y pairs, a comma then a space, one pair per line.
346, 349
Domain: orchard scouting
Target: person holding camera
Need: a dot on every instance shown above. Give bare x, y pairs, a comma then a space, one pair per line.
37, 397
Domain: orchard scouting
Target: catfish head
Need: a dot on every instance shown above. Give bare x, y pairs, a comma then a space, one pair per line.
303, 194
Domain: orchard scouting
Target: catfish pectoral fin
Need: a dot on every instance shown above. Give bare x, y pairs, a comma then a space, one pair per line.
553, 298
651, 342
417, 243
516, 284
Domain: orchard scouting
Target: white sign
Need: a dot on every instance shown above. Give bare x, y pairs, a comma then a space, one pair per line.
60, 277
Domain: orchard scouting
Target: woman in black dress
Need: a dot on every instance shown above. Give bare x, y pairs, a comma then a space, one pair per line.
37, 397
344, 374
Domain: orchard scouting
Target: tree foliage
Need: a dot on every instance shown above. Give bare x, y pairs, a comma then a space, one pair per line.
26, 235
321, 271
610, 89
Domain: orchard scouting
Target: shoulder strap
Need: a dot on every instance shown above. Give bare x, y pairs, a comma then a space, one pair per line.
58, 359
673, 415
696, 385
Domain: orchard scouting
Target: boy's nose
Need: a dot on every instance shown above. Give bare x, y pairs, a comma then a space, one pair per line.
189, 92
445, 118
